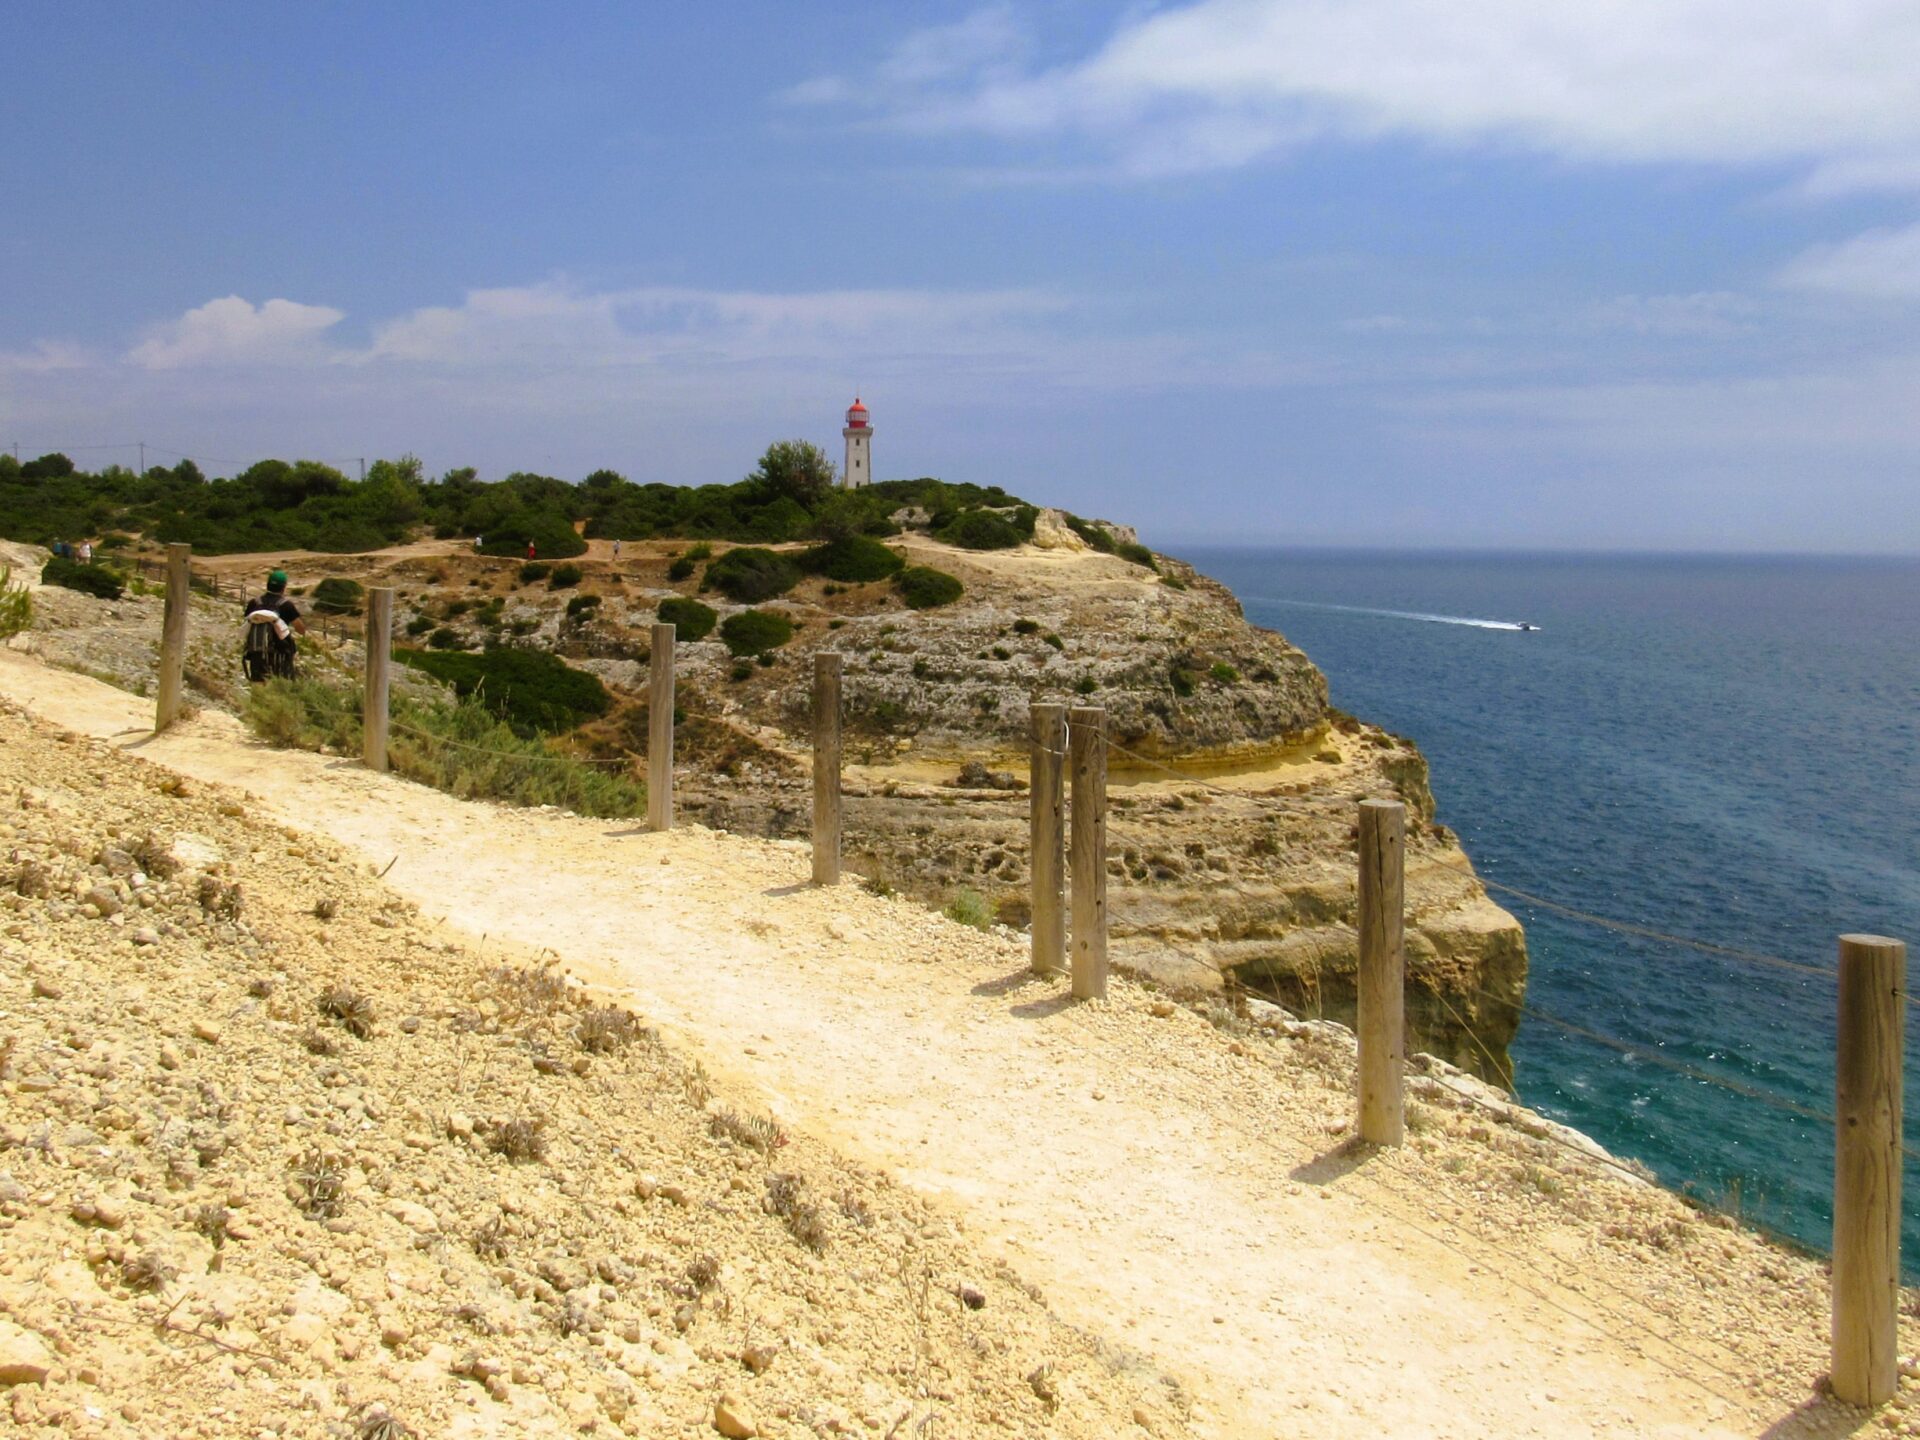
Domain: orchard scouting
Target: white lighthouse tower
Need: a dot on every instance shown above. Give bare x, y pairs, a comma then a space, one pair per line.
859, 438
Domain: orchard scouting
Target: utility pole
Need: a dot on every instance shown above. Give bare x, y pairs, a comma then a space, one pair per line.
143, 457
363, 469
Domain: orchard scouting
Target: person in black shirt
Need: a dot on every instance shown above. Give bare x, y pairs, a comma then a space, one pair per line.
272, 622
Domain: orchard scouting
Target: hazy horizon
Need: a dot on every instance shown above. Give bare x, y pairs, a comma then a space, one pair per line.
1635, 277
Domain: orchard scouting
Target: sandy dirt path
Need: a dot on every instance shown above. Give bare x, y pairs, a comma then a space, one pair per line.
1146, 1177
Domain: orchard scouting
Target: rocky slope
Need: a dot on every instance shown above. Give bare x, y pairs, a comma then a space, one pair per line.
280, 1158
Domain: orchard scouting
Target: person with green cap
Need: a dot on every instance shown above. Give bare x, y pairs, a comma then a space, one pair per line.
272, 622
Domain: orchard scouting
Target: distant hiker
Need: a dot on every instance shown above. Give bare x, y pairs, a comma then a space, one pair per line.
86, 552
616, 550
530, 551
476, 544
272, 622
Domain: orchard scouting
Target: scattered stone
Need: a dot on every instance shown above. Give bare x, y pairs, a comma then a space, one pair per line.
206, 1030
146, 935
25, 1358
732, 1418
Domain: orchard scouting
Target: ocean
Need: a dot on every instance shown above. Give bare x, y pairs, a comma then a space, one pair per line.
1722, 748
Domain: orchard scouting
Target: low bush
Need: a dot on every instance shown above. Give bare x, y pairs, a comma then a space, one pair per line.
529, 689
337, 595
749, 575
969, 907
564, 577
1138, 554
551, 532
755, 632
1225, 674
419, 625
680, 569
980, 530
853, 559
582, 605
1086, 685
1026, 627
533, 571
16, 605
445, 639
94, 580
1182, 681
460, 747
690, 619
924, 588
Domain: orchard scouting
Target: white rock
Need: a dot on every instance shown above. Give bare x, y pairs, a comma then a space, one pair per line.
25, 1358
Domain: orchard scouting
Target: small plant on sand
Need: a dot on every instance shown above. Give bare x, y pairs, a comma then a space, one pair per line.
703, 1273
606, 1029
16, 605
211, 1221
786, 1198
376, 1422
320, 1182
147, 1272
531, 990
969, 907
698, 1086
490, 1241
756, 1132
155, 857
353, 1010
519, 1139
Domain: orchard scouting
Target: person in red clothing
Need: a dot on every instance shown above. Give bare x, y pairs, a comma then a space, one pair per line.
530, 549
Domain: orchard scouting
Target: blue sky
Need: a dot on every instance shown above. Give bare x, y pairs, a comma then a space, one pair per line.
1643, 273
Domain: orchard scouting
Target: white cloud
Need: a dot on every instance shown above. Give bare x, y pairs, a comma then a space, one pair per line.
1220, 82
233, 331
1878, 265
46, 355
1703, 313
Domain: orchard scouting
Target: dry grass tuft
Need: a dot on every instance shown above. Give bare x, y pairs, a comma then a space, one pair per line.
376, 1422
703, 1272
353, 1010
522, 991
219, 898
155, 856
490, 1240
326, 908
607, 1029
786, 1198
519, 1139
756, 1132
33, 880
211, 1221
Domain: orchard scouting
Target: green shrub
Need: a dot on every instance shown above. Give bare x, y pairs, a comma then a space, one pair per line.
1138, 554
564, 577
1224, 673
924, 588
419, 625
114, 541
1182, 681
755, 632
1054, 640
680, 569
697, 553
551, 532
582, 605
853, 559
16, 605
462, 748
1026, 627
969, 907
980, 530
1086, 685
446, 638
94, 580
457, 608
529, 689
534, 570
1173, 582
690, 619
749, 575
741, 670
1094, 535
1000, 652
337, 595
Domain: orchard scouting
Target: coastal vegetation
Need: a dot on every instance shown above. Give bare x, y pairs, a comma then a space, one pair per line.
308, 505
529, 690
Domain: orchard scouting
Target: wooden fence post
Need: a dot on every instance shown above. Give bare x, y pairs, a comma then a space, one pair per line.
1382, 1001
1087, 742
1047, 833
660, 730
1866, 1169
173, 635
374, 711
826, 769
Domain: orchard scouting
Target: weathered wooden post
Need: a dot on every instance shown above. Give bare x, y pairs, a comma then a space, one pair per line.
374, 711
1866, 1169
1047, 834
173, 635
1382, 1000
1087, 744
826, 769
660, 731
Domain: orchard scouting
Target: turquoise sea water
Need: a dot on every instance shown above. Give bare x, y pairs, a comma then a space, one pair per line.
1722, 748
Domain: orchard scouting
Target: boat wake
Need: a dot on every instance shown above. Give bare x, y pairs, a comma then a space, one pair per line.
1400, 614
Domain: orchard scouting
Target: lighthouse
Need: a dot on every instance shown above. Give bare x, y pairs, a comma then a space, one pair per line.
859, 438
